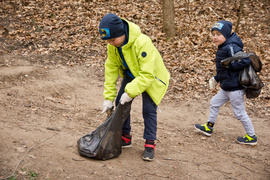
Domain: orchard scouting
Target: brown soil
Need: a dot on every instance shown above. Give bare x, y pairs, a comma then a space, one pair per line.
51, 84
45, 109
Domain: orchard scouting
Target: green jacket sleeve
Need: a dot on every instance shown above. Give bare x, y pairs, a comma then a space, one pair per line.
146, 56
111, 75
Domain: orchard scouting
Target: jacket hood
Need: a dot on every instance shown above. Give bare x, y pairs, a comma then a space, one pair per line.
234, 39
134, 32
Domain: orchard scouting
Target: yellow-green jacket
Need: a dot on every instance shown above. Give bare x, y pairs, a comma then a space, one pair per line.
144, 62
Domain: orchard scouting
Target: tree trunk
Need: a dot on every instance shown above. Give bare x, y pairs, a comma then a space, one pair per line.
168, 18
239, 16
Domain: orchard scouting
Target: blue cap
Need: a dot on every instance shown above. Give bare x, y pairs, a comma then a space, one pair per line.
111, 26
224, 27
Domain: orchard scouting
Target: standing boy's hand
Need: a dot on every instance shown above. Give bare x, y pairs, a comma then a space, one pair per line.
125, 98
107, 104
212, 83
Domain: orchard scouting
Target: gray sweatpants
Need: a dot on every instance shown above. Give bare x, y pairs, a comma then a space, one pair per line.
238, 106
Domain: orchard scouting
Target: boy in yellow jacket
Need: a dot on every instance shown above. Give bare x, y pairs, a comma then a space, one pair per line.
133, 55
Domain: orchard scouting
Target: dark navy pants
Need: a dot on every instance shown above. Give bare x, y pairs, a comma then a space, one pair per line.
149, 112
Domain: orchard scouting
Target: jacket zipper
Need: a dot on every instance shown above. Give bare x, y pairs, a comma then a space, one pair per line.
160, 81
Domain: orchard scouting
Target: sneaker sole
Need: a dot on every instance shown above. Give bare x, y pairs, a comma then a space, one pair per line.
205, 133
127, 146
251, 144
147, 159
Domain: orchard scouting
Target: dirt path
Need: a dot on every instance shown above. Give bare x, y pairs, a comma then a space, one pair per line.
46, 109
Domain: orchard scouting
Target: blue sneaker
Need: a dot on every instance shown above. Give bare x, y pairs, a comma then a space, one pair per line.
204, 128
149, 151
250, 140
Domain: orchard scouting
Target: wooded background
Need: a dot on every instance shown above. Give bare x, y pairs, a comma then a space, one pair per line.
66, 32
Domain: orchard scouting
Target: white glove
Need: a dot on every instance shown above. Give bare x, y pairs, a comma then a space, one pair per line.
212, 83
107, 104
125, 98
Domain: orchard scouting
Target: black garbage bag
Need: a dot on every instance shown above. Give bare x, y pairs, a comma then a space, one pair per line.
105, 142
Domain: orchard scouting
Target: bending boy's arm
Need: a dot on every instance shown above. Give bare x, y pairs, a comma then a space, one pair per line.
147, 56
111, 76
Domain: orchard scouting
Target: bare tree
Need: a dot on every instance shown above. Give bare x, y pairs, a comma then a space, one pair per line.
239, 15
168, 18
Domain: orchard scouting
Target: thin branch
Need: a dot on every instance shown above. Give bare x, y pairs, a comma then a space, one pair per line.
32, 147
214, 12
25, 155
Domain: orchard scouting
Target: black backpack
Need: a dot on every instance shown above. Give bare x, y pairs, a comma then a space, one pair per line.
248, 77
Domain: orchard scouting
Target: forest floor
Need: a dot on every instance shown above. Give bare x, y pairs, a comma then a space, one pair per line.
51, 85
46, 109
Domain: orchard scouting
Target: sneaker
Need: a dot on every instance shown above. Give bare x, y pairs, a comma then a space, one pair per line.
149, 151
250, 140
204, 128
126, 140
